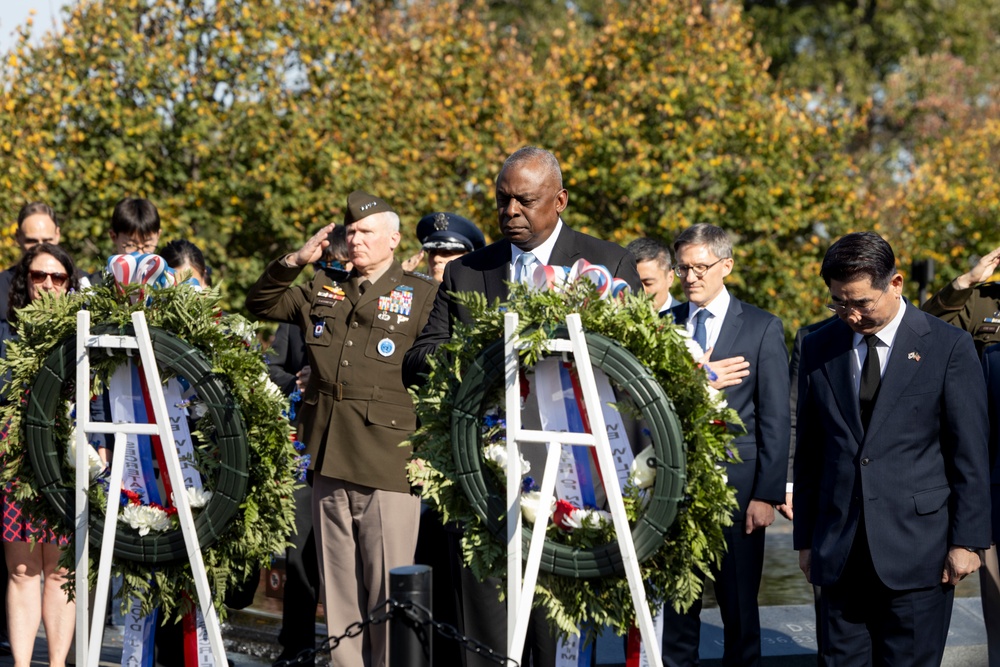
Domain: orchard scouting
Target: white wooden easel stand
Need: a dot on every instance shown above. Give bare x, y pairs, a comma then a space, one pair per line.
144, 344
521, 594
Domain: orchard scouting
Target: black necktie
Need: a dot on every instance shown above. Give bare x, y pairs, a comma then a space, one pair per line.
871, 375
363, 286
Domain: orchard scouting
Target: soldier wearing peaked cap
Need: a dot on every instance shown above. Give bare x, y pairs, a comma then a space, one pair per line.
355, 411
444, 237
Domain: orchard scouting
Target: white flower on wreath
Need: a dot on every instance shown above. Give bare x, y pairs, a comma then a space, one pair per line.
196, 497
717, 396
145, 518
643, 475
497, 452
531, 503
580, 517
94, 463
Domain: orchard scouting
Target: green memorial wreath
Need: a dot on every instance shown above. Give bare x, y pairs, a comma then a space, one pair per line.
581, 580
243, 447
174, 357
480, 384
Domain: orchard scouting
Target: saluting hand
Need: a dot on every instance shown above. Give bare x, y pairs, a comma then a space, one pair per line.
983, 269
312, 251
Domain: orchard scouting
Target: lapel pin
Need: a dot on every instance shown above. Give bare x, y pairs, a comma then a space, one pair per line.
913, 355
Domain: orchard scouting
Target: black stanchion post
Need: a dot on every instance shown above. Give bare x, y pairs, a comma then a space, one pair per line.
410, 636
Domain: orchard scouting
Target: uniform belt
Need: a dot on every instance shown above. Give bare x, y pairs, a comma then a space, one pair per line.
340, 391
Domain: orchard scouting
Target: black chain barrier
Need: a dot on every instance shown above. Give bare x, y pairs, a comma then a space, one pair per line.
416, 614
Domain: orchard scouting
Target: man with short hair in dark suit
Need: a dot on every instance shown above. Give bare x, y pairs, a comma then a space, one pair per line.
530, 198
745, 347
891, 466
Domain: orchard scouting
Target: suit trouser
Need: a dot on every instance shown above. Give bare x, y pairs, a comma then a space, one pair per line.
298, 613
737, 582
867, 623
989, 586
361, 534
484, 619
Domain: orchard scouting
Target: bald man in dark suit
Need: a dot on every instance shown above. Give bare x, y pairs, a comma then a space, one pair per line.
530, 198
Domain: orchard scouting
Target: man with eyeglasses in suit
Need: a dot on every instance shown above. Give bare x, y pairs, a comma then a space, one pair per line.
745, 347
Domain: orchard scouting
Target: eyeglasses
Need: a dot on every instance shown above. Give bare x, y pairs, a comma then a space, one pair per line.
859, 308
681, 270
145, 247
38, 277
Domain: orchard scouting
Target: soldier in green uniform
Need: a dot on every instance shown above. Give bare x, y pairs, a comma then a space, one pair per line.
355, 412
974, 305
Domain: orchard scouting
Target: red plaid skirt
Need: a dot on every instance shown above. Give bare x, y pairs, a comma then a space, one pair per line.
19, 526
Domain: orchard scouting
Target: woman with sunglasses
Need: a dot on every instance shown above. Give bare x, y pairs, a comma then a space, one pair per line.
31, 547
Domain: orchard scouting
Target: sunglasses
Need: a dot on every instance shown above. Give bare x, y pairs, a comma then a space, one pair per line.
334, 268
38, 277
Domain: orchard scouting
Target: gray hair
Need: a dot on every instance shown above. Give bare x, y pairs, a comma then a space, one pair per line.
535, 154
716, 238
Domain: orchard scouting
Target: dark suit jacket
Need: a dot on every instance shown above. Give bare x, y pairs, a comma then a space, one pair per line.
793, 383
486, 270
991, 370
919, 474
761, 399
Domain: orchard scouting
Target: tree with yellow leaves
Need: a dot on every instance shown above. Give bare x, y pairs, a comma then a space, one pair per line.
248, 121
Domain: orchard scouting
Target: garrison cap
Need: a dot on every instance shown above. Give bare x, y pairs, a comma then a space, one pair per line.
448, 231
360, 205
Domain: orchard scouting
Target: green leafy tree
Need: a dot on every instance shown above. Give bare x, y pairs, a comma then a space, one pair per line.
247, 122
667, 118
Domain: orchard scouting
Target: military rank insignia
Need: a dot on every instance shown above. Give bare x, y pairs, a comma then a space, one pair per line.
329, 295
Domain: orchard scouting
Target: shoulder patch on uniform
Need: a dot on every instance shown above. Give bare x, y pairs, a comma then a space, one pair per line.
417, 274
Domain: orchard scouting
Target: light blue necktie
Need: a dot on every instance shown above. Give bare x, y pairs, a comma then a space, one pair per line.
700, 333
525, 263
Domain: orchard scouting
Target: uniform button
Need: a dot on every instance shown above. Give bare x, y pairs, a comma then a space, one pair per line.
392, 327
345, 362
865, 461
349, 343
393, 422
354, 325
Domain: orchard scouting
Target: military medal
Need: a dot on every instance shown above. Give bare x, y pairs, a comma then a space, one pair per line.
401, 300
386, 347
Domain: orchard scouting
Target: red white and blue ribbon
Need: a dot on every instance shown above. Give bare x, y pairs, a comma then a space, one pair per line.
561, 408
130, 403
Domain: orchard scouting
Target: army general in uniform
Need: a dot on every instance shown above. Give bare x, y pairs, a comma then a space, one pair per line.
974, 305
355, 412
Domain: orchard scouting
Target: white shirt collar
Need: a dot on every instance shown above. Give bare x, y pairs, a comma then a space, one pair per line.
887, 335
718, 306
543, 253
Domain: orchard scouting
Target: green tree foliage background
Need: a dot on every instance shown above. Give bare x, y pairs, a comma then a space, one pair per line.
248, 122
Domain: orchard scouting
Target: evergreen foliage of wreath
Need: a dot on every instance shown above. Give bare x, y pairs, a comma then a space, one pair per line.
694, 541
264, 518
